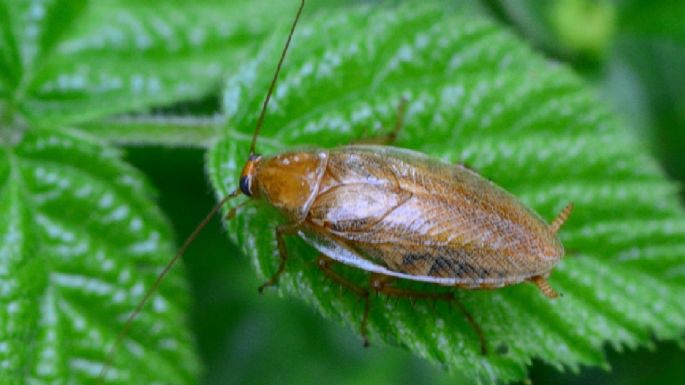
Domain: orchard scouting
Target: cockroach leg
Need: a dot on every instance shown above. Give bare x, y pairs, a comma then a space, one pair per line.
474, 325
233, 210
391, 137
324, 264
231, 213
379, 283
399, 122
281, 231
561, 218
467, 166
365, 321
544, 286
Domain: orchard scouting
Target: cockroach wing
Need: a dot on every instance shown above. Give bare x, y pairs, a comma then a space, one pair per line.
400, 213
338, 250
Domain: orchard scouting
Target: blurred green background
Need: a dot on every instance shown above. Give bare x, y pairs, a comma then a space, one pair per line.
631, 51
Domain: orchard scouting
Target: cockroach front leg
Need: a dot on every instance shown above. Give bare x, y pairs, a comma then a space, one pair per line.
281, 232
380, 284
324, 264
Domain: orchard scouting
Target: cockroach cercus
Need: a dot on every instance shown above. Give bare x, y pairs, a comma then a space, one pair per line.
397, 214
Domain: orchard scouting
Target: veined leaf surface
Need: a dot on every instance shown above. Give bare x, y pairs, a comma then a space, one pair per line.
476, 94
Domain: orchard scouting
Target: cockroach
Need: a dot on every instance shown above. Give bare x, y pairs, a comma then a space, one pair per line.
395, 213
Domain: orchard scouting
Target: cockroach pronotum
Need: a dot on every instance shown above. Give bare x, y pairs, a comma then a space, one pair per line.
395, 213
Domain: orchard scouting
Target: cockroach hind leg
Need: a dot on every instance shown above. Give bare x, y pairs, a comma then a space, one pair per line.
379, 284
544, 286
324, 264
561, 218
363, 328
474, 325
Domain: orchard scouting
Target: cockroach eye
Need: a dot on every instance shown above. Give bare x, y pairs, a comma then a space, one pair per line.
245, 185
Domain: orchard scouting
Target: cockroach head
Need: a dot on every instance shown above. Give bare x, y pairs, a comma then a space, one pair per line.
247, 175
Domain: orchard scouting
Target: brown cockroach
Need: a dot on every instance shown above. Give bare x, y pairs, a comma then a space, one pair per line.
395, 213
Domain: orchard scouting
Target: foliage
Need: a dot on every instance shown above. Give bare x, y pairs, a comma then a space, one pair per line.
83, 238
476, 94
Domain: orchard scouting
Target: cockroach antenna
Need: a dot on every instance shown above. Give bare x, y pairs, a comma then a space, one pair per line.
260, 121
155, 285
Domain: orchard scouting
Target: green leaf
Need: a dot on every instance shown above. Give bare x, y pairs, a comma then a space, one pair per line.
30, 31
81, 236
476, 94
119, 57
81, 240
8, 52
